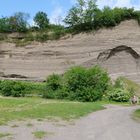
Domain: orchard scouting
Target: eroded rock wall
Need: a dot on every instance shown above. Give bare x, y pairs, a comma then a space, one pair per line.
37, 61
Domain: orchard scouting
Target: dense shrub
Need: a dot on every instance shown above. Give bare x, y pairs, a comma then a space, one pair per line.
53, 85
75, 78
119, 95
54, 82
18, 89
87, 94
6, 87
88, 84
56, 94
12, 88
79, 83
21, 89
119, 83
132, 87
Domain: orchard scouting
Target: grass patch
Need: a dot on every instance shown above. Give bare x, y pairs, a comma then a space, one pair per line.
136, 115
30, 125
2, 135
14, 126
41, 134
37, 108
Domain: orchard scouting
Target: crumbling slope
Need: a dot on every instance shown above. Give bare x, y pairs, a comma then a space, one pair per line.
38, 60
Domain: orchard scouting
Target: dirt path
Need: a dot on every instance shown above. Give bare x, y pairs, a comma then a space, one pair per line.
114, 123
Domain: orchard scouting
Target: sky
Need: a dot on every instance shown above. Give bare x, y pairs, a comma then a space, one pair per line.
55, 8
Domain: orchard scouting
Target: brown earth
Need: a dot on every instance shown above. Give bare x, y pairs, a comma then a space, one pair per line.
116, 49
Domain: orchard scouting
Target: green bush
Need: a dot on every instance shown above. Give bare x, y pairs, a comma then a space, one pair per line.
75, 78
87, 84
54, 82
6, 87
87, 94
57, 94
12, 88
19, 89
41, 37
79, 83
119, 83
119, 95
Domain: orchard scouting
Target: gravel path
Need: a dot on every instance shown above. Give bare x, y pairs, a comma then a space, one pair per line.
114, 123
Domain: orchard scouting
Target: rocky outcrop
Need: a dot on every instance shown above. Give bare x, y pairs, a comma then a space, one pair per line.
121, 61
105, 55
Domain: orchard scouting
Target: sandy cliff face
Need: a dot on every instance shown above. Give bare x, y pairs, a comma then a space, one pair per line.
37, 61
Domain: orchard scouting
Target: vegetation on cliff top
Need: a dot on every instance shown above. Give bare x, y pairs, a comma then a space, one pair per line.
83, 16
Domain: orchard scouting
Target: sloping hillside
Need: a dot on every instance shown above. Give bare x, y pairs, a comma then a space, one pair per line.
37, 61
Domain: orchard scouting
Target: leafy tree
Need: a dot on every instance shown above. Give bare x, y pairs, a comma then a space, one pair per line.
108, 17
4, 24
18, 22
81, 15
41, 20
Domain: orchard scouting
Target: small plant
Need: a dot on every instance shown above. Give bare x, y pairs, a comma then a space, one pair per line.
2, 135
41, 134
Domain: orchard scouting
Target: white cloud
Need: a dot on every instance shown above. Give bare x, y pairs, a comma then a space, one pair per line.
123, 3
57, 15
118, 3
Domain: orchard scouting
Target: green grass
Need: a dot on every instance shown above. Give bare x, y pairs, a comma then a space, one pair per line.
41, 134
30, 125
37, 108
136, 115
2, 135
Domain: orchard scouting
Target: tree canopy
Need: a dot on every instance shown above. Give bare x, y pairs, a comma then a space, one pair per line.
41, 20
83, 16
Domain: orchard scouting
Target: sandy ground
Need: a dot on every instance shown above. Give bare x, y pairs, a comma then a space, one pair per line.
114, 123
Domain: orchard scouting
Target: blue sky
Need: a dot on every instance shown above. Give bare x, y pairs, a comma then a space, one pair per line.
55, 8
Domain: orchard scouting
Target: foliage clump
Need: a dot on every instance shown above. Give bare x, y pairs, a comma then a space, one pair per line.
86, 16
79, 83
12, 88
119, 95
20, 88
122, 90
